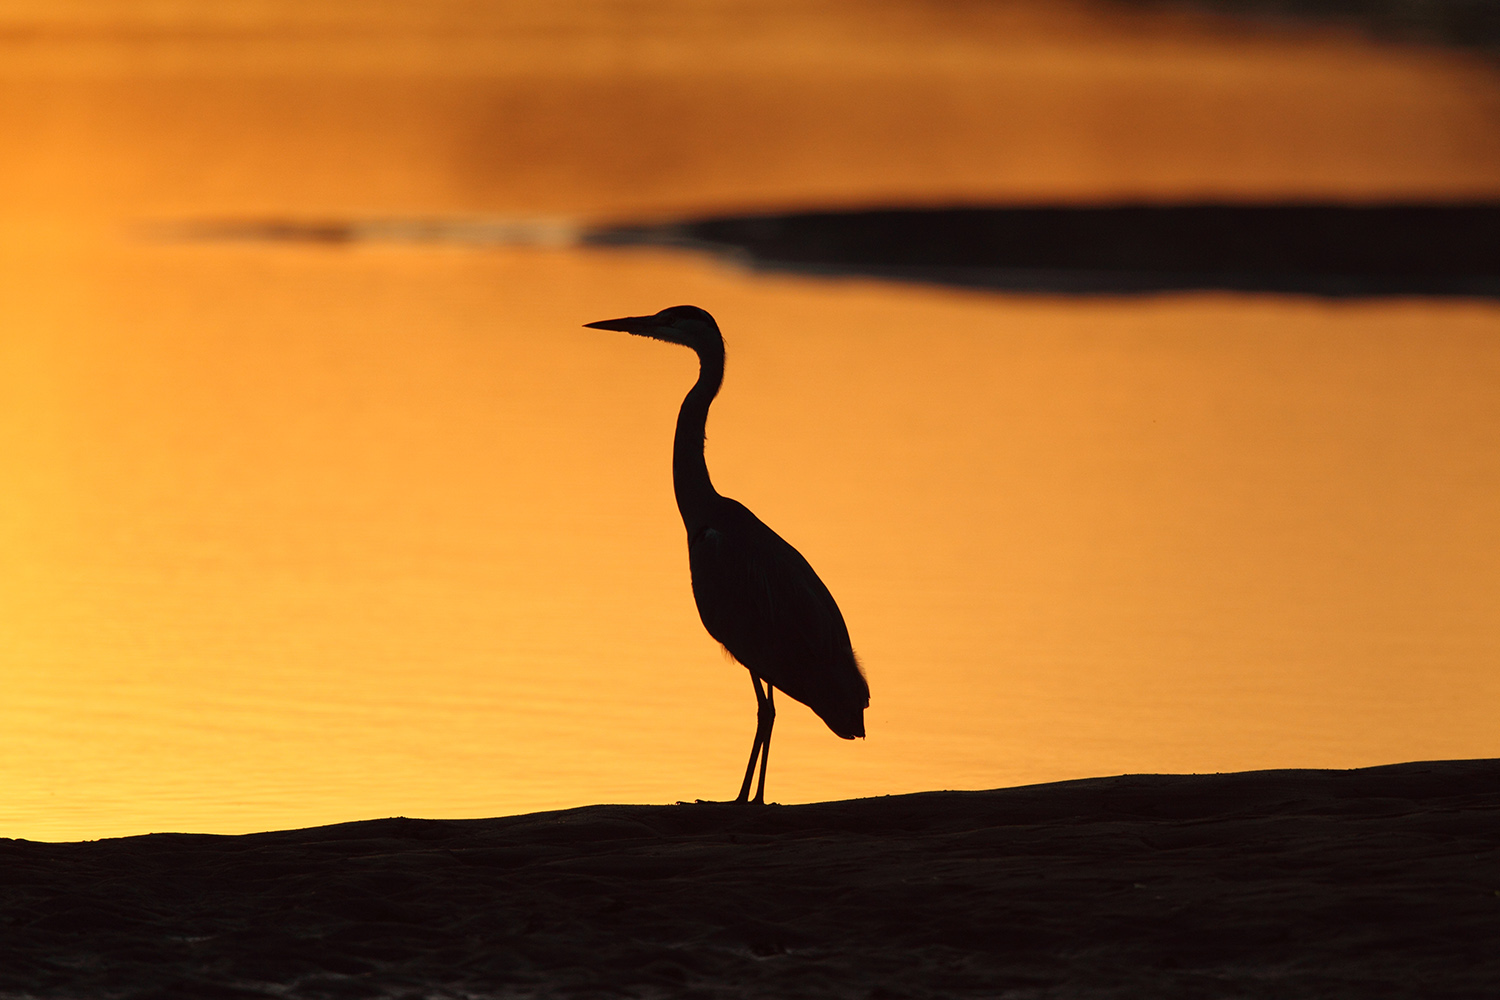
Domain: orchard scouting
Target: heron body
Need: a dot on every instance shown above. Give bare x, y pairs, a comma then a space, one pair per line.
756, 594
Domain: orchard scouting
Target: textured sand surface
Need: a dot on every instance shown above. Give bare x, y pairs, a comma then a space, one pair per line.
1375, 882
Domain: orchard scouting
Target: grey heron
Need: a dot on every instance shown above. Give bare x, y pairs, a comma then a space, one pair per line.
755, 593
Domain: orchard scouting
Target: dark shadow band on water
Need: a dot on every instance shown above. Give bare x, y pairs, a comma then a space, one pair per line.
1323, 249
1313, 249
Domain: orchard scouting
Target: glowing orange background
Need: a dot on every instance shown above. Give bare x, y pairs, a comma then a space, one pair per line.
294, 534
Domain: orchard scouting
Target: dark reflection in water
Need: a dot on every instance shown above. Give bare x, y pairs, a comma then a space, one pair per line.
1319, 249
1315, 249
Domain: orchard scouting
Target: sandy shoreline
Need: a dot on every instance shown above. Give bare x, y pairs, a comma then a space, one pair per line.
1375, 882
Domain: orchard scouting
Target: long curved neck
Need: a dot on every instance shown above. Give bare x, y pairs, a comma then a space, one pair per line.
695, 491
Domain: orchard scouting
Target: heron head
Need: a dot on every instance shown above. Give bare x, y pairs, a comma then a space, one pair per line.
685, 325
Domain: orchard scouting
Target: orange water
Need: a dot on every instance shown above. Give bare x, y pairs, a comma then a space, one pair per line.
292, 535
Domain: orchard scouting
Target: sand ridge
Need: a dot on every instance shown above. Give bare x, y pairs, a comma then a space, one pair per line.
1381, 881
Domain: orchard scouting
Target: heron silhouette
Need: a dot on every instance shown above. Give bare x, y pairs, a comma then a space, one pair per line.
755, 593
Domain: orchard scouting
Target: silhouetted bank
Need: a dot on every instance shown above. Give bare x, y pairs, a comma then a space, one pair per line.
1318, 249
1376, 882
1311, 249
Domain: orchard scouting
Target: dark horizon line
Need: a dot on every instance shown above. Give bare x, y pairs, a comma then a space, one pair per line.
1337, 249
1334, 249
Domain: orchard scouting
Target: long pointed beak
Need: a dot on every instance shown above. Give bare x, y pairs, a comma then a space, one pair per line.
626, 324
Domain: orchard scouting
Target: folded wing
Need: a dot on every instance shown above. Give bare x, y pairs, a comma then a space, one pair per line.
763, 601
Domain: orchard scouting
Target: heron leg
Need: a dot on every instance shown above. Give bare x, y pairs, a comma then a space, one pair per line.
768, 712
762, 735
